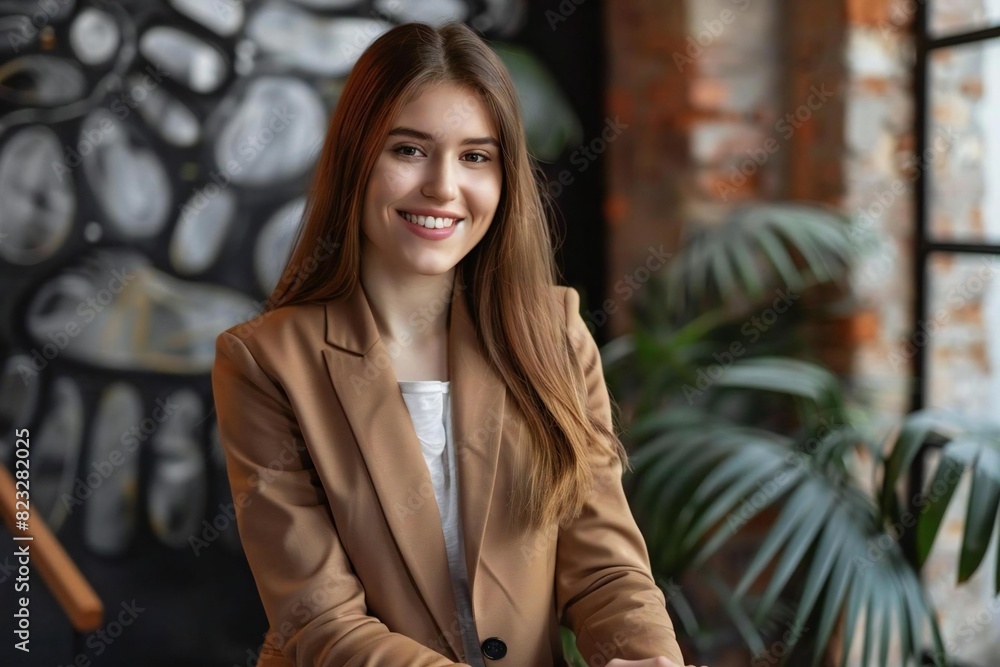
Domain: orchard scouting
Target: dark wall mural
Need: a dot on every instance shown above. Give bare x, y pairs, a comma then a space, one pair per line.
153, 160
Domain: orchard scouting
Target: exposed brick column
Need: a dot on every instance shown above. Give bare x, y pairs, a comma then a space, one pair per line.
816, 75
815, 32
737, 132
878, 188
646, 163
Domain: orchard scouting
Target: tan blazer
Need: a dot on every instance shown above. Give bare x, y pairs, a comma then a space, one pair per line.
339, 522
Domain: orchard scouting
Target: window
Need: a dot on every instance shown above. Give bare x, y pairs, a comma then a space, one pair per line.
956, 327
957, 265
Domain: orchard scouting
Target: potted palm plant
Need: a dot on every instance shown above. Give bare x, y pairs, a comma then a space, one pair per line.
730, 418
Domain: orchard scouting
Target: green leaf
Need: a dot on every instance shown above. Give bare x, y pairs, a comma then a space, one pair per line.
870, 616
723, 273
832, 603
918, 608
886, 620
984, 497
662, 423
684, 612
996, 571
570, 652
806, 241
946, 478
856, 601
774, 249
741, 620
828, 549
782, 376
748, 270
668, 482
730, 483
794, 554
906, 638
792, 522
912, 436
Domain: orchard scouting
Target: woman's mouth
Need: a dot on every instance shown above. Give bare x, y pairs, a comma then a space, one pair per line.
429, 222
430, 228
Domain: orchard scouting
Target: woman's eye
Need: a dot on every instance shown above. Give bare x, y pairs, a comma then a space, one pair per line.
401, 149
413, 151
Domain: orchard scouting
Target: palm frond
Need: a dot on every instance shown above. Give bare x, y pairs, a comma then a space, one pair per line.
783, 375
755, 250
699, 485
913, 436
969, 445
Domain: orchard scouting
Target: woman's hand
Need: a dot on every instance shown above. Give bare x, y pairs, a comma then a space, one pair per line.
649, 662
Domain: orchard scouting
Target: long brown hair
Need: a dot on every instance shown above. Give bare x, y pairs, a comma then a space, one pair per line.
508, 274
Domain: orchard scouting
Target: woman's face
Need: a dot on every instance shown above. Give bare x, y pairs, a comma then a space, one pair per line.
435, 186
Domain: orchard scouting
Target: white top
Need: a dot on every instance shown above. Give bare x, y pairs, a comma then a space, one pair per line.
429, 403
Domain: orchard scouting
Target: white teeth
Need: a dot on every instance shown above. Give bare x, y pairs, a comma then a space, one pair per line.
427, 221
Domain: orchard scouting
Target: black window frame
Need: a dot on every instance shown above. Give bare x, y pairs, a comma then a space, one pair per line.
927, 246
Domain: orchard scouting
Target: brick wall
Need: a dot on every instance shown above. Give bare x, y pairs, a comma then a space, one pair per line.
713, 89
647, 164
878, 144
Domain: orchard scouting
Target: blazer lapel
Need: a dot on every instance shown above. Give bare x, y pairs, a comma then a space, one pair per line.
478, 398
361, 373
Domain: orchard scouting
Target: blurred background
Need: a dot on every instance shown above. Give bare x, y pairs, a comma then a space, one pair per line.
784, 218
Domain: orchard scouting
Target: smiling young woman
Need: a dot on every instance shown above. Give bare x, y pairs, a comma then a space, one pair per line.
454, 493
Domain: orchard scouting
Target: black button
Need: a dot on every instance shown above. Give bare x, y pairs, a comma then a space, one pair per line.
494, 648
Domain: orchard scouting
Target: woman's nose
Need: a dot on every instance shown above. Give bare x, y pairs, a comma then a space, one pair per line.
440, 183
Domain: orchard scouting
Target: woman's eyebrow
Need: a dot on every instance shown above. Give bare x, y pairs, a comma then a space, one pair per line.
425, 136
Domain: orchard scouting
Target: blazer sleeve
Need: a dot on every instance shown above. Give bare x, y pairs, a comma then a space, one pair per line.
605, 591
313, 600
